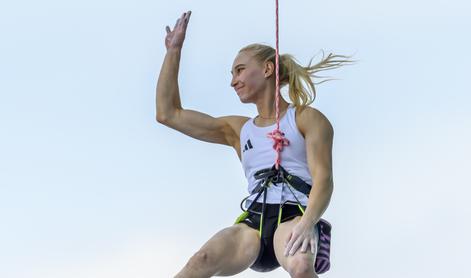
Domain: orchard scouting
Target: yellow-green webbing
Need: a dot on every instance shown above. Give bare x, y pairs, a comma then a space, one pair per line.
261, 225
241, 217
301, 208
281, 211
279, 215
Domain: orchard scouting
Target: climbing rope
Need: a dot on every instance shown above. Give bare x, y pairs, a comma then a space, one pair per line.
277, 136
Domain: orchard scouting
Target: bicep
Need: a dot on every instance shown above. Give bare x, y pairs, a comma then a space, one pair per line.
319, 140
203, 127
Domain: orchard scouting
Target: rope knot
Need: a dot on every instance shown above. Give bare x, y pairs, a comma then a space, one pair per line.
279, 141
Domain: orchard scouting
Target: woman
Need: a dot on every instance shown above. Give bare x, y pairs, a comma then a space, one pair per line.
293, 241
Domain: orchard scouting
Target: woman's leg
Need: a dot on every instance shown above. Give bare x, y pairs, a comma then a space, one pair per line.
299, 265
227, 253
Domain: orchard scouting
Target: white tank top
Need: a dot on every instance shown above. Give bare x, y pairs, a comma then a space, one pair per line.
257, 153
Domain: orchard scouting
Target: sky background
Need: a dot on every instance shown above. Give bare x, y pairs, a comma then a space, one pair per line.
91, 186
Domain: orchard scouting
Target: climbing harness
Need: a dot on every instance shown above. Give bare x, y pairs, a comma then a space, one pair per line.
272, 176
280, 177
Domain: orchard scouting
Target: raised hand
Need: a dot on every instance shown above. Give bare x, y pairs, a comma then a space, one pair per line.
175, 37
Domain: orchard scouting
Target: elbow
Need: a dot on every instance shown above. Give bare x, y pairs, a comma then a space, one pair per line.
330, 184
327, 185
168, 117
162, 116
165, 118
161, 119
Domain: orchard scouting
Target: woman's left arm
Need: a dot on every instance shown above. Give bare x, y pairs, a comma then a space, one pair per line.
318, 135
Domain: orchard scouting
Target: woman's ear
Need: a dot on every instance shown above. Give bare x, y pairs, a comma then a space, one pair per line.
269, 69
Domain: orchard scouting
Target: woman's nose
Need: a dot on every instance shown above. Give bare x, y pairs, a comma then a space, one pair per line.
233, 81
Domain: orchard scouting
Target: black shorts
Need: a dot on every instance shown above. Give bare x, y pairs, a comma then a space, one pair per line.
266, 260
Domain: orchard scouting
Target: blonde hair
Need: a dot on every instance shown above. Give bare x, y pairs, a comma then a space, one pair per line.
295, 75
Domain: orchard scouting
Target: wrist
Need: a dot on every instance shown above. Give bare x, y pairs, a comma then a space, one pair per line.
307, 220
177, 50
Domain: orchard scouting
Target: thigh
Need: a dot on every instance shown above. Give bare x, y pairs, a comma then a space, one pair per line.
282, 235
234, 249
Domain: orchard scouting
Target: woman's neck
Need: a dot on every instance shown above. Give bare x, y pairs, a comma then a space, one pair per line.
269, 112
263, 121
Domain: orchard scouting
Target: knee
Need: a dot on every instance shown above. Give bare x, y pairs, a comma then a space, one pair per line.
301, 268
200, 259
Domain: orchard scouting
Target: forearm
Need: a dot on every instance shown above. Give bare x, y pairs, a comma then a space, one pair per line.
319, 199
167, 92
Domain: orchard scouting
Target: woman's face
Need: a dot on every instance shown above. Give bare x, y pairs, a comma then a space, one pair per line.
248, 77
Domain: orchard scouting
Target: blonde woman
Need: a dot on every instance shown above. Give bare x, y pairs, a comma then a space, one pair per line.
291, 237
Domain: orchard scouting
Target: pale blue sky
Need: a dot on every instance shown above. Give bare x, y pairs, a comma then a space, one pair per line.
92, 187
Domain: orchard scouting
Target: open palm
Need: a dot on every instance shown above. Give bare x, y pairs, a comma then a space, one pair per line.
175, 37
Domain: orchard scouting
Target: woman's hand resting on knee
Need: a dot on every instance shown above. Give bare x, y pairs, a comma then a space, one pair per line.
302, 236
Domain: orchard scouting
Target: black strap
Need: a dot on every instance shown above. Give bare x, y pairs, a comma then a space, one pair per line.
273, 176
296, 182
279, 176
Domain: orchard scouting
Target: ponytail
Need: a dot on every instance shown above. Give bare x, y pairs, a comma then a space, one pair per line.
299, 79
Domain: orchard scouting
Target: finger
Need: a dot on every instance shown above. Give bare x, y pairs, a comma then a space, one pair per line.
288, 239
288, 248
188, 15
181, 19
167, 29
288, 243
187, 18
176, 24
313, 246
305, 246
295, 247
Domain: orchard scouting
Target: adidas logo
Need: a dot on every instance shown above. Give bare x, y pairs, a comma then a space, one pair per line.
247, 146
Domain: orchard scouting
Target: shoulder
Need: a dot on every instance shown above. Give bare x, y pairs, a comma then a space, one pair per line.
236, 122
312, 121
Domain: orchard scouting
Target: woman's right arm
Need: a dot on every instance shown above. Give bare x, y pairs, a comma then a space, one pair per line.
223, 130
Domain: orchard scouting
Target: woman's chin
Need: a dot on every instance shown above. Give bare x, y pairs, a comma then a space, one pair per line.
243, 100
